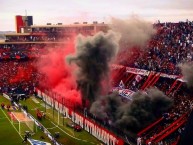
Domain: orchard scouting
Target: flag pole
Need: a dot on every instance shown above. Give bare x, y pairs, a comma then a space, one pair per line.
58, 113
63, 109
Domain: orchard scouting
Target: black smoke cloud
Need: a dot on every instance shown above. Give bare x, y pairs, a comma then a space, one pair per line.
94, 54
105, 105
187, 71
93, 57
134, 115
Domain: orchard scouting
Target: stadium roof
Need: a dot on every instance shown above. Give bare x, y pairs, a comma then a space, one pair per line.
17, 34
31, 42
69, 25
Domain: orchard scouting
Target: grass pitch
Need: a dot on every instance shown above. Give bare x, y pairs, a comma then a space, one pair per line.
9, 134
67, 135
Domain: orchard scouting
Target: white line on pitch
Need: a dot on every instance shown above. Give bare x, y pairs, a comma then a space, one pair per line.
11, 123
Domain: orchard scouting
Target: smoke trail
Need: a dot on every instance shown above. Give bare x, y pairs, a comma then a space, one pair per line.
143, 109
134, 31
93, 55
134, 115
135, 35
187, 71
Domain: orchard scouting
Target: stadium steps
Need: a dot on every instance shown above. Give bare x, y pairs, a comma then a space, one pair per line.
118, 74
178, 125
129, 78
171, 128
150, 77
150, 126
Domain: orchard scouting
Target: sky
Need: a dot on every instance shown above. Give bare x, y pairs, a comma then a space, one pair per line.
69, 11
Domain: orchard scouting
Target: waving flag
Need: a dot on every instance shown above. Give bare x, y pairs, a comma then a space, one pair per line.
138, 78
121, 85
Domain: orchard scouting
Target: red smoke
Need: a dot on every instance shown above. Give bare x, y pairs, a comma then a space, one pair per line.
59, 76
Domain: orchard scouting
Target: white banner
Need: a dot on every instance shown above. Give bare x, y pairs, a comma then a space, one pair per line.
126, 93
99, 132
143, 72
6, 96
38, 142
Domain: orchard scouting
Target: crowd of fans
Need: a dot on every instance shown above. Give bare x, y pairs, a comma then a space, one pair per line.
39, 37
20, 51
171, 45
17, 76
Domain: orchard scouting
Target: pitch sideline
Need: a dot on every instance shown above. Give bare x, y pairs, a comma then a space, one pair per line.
11, 124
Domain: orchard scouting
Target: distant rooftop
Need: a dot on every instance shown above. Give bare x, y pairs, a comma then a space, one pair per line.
76, 24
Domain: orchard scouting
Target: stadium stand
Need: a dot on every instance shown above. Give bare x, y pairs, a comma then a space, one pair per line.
171, 45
